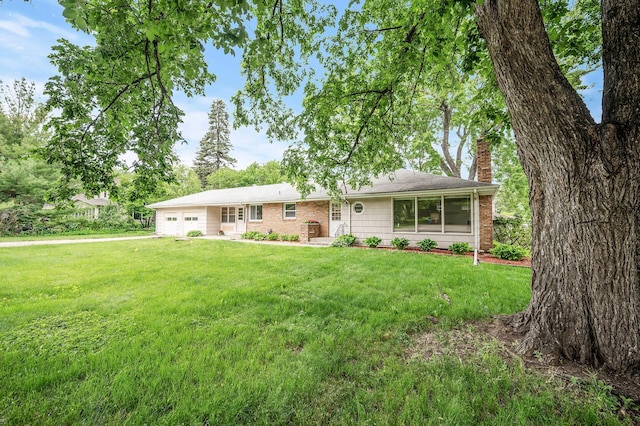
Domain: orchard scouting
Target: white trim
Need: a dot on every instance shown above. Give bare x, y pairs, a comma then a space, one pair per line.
353, 207
285, 211
442, 215
251, 210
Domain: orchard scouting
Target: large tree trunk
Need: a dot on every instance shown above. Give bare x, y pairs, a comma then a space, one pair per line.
584, 184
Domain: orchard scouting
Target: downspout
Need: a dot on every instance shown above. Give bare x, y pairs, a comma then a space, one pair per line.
349, 204
476, 226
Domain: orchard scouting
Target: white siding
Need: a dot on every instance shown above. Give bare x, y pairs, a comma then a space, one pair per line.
377, 220
213, 221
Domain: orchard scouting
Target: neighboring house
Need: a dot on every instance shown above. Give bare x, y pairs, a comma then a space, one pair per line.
411, 204
90, 207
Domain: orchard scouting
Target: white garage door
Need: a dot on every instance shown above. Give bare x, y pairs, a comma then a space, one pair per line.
171, 224
190, 222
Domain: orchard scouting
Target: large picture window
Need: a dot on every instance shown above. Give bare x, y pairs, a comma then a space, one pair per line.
457, 214
450, 214
289, 210
404, 214
430, 214
255, 212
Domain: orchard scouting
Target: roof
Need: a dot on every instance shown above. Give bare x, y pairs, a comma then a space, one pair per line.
401, 181
97, 201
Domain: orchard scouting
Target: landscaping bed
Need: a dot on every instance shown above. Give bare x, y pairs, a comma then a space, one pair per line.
482, 257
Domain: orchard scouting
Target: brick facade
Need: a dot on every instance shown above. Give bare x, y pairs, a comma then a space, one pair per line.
486, 222
273, 218
486, 201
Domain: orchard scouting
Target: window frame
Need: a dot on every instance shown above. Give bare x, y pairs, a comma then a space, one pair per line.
442, 210
227, 212
360, 203
286, 211
253, 213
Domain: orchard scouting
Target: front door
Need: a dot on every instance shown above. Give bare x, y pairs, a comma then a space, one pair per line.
241, 225
336, 224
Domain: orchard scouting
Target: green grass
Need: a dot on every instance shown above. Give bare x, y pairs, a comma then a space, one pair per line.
76, 235
217, 332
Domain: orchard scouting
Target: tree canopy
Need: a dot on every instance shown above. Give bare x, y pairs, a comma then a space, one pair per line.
364, 72
255, 174
25, 178
215, 145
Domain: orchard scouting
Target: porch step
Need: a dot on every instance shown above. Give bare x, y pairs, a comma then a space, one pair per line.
321, 241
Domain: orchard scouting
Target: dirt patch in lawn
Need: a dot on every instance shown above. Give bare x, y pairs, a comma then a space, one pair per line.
470, 338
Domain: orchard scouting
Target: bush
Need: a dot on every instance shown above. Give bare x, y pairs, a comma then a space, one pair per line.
512, 230
260, 237
249, 235
508, 251
194, 233
346, 240
272, 236
284, 237
427, 244
460, 248
294, 237
372, 242
400, 243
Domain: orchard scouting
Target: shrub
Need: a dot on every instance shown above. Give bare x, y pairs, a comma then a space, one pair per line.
260, 237
460, 248
249, 235
372, 242
508, 251
427, 244
293, 237
272, 236
284, 237
346, 240
512, 230
194, 233
400, 243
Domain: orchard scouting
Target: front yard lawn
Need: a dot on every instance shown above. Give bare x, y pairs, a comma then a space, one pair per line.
217, 332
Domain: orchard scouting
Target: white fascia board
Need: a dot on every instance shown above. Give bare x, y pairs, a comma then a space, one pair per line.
485, 190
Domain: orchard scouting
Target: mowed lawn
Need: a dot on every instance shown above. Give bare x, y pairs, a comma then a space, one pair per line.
214, 332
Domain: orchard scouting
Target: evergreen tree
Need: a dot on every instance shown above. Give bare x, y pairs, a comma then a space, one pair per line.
215, 145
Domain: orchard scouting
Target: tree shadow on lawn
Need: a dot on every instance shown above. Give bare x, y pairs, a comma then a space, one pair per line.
468, 339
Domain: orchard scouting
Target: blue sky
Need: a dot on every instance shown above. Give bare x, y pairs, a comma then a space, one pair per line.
29, 29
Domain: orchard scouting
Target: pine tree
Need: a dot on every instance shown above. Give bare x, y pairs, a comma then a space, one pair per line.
215, 145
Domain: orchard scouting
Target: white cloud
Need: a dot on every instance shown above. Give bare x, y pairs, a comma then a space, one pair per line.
248, 145
14, 28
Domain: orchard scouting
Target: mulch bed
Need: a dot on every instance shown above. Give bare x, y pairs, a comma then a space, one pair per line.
482, 257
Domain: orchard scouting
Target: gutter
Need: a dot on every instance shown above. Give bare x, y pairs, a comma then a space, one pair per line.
476, 226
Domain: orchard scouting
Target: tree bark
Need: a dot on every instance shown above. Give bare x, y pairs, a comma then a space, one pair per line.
584, 181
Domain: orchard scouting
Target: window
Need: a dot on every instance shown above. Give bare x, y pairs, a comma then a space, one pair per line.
457, 216
336, 211
358, 207
404, 214
255, 212
432, 214
429, 214
228, 214
190, 218
289, 210
171, 219
240, 214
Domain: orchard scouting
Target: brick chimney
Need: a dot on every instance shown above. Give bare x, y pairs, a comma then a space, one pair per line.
483, 161
485, 201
